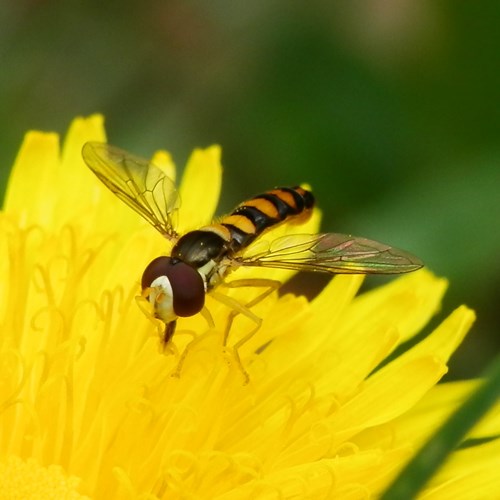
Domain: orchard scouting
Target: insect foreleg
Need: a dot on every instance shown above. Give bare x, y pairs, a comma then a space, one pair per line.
196, 338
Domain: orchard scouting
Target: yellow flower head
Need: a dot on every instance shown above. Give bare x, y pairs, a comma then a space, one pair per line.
89, 406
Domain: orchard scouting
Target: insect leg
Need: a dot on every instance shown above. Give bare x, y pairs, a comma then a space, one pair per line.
196, 338
239, 308
166, 344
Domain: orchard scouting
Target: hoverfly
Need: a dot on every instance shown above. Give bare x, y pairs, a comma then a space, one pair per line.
200, 260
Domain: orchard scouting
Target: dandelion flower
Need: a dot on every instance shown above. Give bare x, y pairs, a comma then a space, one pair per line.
89, 406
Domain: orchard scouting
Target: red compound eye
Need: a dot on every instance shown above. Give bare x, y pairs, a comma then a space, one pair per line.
188, 289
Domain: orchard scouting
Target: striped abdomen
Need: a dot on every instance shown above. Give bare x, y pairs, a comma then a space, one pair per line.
254, 216
238, 229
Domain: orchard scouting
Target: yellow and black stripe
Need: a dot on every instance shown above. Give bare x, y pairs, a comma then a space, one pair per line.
252, 217
245, 223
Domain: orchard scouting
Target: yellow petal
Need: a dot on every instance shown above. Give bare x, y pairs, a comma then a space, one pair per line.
28, 191
77, 187
354, 476
468, 473
407, 303
310, 328
200, 189
427, 360
46, 187
443, 341
386, 395
421, 421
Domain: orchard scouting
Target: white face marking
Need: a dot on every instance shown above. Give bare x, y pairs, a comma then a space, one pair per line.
161, 298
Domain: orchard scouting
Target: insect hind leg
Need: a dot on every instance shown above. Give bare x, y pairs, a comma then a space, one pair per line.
244, 309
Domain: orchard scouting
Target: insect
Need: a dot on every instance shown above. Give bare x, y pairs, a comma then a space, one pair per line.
200, 260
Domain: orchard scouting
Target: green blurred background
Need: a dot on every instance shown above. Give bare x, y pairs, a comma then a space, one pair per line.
389, 109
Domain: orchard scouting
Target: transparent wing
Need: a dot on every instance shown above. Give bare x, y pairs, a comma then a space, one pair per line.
137, 182
330, 253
